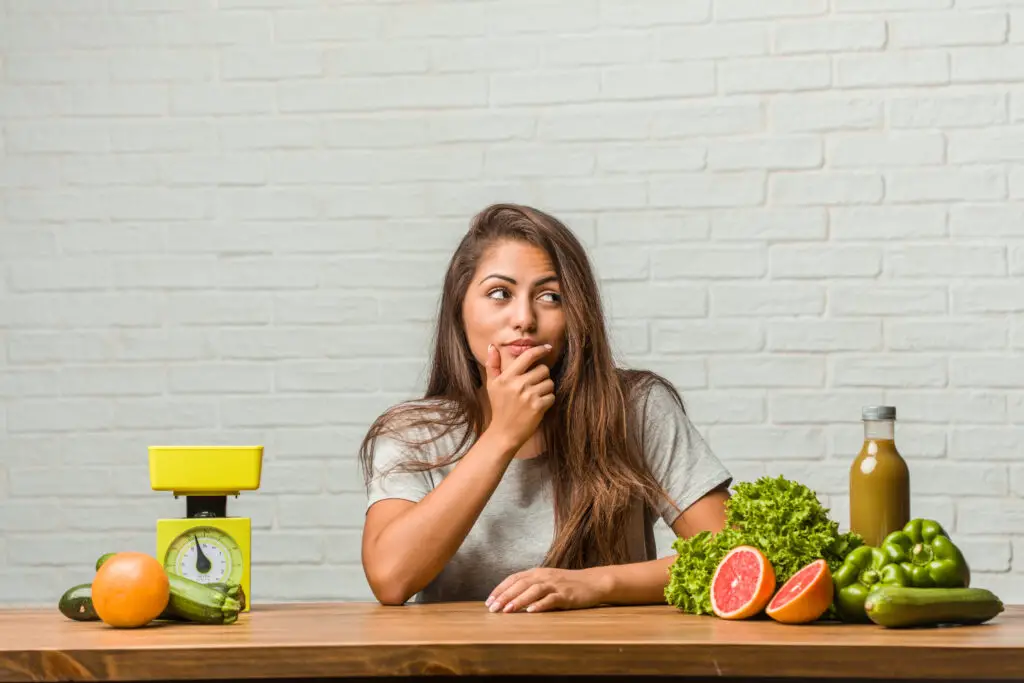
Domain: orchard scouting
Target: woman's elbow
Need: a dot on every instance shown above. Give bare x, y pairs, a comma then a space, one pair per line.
389, 589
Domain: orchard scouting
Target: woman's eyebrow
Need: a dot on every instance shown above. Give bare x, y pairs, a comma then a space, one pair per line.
537, 283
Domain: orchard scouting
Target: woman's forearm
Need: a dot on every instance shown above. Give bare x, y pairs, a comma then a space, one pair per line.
637, 583
414, 547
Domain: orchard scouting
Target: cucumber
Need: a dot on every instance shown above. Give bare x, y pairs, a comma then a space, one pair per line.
901, 607
76, 603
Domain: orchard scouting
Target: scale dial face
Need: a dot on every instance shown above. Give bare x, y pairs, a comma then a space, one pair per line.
205, 554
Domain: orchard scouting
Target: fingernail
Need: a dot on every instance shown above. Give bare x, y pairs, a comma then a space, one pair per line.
530, 608
489, 601
494, 607
547, 346
490, 346
510, 606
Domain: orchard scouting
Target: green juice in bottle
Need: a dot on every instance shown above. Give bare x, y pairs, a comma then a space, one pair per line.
879, 479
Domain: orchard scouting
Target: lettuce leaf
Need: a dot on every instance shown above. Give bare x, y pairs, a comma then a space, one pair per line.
782, 518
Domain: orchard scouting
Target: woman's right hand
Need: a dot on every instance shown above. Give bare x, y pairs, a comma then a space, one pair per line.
519, 394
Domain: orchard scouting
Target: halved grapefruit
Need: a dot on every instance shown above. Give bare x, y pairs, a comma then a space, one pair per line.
804, 597
743, 583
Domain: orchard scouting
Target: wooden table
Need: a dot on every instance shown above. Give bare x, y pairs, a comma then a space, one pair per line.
349, 641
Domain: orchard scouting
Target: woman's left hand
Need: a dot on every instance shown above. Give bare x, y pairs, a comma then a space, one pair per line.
541, 589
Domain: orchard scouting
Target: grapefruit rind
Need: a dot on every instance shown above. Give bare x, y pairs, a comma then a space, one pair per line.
764, 586
816, 594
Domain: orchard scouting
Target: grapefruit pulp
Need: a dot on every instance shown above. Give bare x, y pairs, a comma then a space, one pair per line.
804, 597
743, 583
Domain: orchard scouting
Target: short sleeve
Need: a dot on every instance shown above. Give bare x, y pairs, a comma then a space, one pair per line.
677, 454
389, 481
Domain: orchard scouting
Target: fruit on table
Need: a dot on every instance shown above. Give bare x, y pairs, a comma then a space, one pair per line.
231, 590
130, 590
76, 603
743, 583
907, 606
930, 558
863, 570
804, 597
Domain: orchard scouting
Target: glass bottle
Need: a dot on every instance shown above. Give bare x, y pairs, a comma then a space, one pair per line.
879, 479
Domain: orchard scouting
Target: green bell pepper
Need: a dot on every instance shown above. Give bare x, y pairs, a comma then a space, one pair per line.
865, 568
927, 554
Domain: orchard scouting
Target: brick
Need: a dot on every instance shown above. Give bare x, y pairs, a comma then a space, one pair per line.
921, 442
593, 194
949, 406
586, 50
242, 169
774, 75
61, 549
825, 187
706, 120
946, 184
807, 112
57, 67
719, 336
988, 516
334, 24
1015, 410
294, 548
281, 342
824, 335
978, 146
29, 382
1017, 261
344, 546
36, 347
941, 260
657, 81
456, 127
618, 264
883, 370
762, 443
769, 371
323, 308
363, 60
886, 222
898, 68
890, 5
536, 161
360, 131
767, 299
594, 124
194, 308
626, 227
781, 152
830, 35
948, 111
547, 87
403, 92
60, 275
988, 298
708, 262
487, 55
713, 41
938, 335
990, 371
737, 10
803, 407
243, 63
871, 150
629, 14
165, 273
266, 204
647, 158
986, 554
60, 136
628, 300
775, 223
535, 16
988, 65
146, 65
315, 583
138, 380
632, 337
815, 262
948, 29
699, 190
71, 482
111, 170
1017, 183
337, 376
156, 203
725, 407
986, 443
220, 378
261, 273
163, 136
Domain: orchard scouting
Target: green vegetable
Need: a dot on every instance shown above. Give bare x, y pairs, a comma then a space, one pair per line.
782, 518
864, 569
76, 603
201, 603
928, 555
900, 606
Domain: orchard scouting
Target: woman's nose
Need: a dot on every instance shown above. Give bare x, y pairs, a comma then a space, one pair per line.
523, 315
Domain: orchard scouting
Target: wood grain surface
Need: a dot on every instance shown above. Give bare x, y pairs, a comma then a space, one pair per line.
355, 640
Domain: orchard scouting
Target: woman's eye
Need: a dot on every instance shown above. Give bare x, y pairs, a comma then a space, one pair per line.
555, 297
500, 290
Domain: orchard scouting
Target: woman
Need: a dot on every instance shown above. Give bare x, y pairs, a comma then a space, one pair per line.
530, 474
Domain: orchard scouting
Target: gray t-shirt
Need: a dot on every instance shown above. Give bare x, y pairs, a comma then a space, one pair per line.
516, 527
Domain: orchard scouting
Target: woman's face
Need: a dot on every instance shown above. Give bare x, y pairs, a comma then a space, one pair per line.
514, 301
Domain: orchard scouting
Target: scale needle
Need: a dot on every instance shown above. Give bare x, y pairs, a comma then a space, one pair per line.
202, 562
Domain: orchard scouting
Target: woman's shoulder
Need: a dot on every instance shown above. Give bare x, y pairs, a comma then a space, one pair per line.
417, 426
652, 394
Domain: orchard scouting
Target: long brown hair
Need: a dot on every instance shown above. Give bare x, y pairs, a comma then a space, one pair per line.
593, 433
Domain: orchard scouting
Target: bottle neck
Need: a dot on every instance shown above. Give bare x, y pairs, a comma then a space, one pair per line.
879, 430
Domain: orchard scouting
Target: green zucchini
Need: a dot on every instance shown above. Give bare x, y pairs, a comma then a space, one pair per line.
203, 603
901, 606
76, 603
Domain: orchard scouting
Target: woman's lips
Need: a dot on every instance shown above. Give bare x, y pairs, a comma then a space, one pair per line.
518, 348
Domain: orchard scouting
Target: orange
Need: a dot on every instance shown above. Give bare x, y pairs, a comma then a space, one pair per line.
743, 583
130, 590
804, 597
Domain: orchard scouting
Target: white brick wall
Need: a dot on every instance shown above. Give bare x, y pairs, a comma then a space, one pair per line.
227, 221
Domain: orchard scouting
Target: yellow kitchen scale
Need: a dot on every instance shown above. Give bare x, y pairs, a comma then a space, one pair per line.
206, 545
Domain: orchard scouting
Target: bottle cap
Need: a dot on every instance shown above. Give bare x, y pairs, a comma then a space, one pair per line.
878, 413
